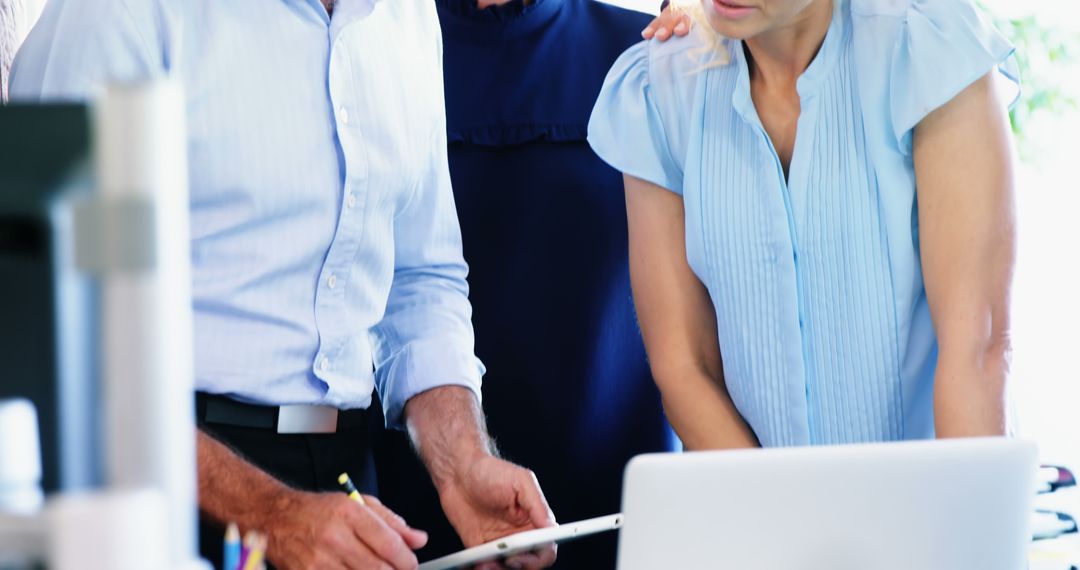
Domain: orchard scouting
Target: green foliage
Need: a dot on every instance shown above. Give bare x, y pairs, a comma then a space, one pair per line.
1046, 56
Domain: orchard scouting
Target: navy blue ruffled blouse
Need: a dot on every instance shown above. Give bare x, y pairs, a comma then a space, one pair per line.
520, 73
568, 391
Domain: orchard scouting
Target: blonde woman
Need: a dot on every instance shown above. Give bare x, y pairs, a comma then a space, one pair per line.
821, 219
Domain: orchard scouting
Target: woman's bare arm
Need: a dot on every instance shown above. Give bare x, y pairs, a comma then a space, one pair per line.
678, 323
967, 232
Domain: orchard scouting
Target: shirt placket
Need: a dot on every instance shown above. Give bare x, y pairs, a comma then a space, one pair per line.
331, 308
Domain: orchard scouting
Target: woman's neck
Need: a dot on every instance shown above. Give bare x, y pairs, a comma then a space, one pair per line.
779, 56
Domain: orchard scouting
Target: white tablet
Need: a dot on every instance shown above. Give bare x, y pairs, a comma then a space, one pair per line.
524, 542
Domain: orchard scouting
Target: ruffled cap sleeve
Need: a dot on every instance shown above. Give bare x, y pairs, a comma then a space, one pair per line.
627, 129
944, 47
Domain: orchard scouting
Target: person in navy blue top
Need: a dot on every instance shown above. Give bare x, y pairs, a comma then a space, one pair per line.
568, 391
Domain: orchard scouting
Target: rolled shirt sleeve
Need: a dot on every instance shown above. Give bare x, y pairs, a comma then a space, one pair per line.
425, 340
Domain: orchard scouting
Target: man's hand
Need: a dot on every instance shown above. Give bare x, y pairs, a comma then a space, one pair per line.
330, 530
671, 21
494, 498
484, 497
305, 530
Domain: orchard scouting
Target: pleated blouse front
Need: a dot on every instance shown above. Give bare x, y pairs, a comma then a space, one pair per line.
821, 311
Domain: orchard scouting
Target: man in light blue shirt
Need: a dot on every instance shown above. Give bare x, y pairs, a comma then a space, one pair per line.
326, 258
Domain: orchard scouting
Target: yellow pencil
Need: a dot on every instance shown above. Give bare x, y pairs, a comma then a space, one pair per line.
258, 549
347, 484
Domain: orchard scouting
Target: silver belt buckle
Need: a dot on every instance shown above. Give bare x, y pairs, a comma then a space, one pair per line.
301, 418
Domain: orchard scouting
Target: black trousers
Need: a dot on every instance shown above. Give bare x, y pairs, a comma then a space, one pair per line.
305, 462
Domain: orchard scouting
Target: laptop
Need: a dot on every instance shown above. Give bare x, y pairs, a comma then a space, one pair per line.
932, 505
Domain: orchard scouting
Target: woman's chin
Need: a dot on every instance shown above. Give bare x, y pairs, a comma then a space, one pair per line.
740, 19
729, 29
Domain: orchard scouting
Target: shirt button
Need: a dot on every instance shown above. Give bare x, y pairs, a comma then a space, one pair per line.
331, 281
343, 115
350, 201
324, 364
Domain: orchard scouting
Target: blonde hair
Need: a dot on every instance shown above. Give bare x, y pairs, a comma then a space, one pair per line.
714, 42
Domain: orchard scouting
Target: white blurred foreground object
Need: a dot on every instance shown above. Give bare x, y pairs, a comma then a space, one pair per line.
119, 530
20, 458
21, 498
932, 505
134, 236
131, 238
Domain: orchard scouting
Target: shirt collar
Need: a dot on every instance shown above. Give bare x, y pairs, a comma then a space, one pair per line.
829, 54
815, 75
349, 11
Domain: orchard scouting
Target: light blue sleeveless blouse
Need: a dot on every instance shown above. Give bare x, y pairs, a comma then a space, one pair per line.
820, 305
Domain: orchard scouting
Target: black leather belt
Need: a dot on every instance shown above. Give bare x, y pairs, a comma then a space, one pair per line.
221, 410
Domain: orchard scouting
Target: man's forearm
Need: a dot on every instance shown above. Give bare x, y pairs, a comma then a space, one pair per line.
447, 428
231, 489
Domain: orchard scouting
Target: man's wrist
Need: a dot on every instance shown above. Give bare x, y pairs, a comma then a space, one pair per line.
452, 473
233, 490
267, 506
447, 428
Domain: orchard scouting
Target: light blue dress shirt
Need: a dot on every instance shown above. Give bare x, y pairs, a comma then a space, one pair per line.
325, 244
821, 308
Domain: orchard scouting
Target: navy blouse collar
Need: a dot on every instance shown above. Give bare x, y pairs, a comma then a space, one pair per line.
517, 73
464, 18
497, 13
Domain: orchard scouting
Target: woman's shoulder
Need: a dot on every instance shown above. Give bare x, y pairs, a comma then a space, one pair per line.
681, 62
668, 73
929, 24
916, 55
642, 119
902, 10
896, 9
